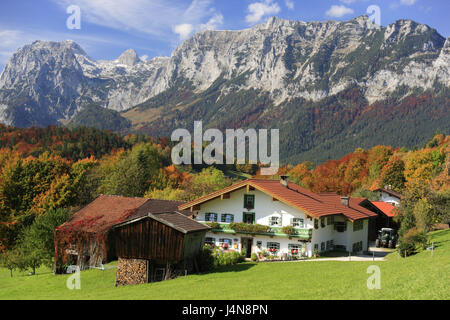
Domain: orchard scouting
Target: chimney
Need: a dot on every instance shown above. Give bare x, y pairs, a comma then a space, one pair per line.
345, 201
284, 180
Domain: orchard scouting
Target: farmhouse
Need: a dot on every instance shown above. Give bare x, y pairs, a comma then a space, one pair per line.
86, 239
153, 246
282, 218
388, 195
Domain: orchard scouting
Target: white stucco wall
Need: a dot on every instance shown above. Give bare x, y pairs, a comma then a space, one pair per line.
385, 197
265, 208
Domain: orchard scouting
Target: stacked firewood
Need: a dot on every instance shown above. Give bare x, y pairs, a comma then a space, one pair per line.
131, 271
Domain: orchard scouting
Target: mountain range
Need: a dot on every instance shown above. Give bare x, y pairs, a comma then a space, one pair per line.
328, 86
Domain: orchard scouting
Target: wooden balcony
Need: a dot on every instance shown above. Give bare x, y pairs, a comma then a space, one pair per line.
304, 234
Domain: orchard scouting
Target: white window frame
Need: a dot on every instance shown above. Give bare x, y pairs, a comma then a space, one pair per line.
226, 220
225, 240
208, 217
275, 218
299, 221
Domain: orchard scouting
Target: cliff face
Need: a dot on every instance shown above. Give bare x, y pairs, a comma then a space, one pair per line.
45, 81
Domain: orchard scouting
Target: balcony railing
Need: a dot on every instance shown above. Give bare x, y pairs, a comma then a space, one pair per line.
273, 231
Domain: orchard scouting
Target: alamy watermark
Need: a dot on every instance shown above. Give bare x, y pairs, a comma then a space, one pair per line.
74, 20
74, 281
374, 18
374, 281
216, 152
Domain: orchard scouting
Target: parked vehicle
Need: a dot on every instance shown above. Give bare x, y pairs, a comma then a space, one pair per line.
387, 238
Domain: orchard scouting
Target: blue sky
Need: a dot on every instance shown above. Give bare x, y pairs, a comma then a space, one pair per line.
156, 27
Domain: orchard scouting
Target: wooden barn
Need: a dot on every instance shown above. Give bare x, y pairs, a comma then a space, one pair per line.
154, 246
86, 239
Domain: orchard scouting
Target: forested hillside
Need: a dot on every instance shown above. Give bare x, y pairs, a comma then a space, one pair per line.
48, 173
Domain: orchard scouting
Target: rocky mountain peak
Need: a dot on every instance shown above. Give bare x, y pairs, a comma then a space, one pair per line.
129, 58
284, 59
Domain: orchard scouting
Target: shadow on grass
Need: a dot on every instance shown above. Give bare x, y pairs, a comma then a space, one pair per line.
333, 254
235, 268
27, 274
438, 244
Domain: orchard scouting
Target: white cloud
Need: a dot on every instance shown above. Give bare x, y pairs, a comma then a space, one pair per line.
348, 1
183, 30
157, 18
290, 4
215, 22
10, 41
258, 10
339, 11
144, 58
408, 2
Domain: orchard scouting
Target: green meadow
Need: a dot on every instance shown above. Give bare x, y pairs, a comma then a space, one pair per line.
422, 276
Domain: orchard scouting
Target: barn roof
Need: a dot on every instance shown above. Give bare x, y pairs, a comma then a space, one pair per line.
158, 206
386, 208
102, 213
175, 220
313, 204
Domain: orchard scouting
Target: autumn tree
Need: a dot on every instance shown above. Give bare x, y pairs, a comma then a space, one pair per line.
393, 174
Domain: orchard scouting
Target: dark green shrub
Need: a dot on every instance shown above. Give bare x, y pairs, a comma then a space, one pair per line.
206, 259
254, 257
412, 242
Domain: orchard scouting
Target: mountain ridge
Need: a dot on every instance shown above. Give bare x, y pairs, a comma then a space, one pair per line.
283, 65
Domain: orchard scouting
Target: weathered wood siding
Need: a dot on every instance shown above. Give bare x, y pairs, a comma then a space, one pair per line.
149, 239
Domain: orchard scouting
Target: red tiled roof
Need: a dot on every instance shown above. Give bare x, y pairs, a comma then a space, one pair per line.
386, 208
102, 213
295, 196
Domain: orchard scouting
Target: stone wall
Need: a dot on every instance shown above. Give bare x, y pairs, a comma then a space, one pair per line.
131, 271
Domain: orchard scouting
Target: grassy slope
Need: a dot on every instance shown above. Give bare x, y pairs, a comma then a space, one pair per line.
417, 277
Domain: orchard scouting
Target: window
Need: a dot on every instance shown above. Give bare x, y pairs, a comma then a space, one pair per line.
248, 217
322, 246
330, 245
322, 222
316, 247
249, 201
211, 216
225, 243
358, 225
294, 249
210, 241
316, 224
227, 218
340, 226
330, 220
273, 247
274, 221
298, 223
259, 244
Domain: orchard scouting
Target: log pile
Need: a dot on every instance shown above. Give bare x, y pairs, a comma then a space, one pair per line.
131, 271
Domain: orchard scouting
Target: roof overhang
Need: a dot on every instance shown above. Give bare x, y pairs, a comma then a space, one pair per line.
167, 223
248, 184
